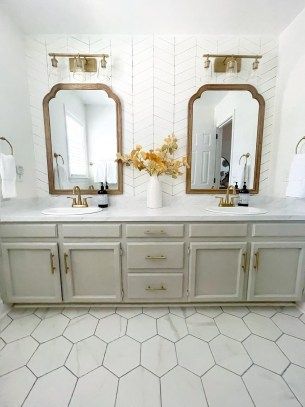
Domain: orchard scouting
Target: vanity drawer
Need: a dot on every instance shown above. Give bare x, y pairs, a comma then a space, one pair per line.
28, 230
154, 230
91, 230
279, 229
155, 255
218, 230
155, 286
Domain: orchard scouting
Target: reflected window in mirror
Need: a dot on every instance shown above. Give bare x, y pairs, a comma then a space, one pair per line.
225, 125
83, 135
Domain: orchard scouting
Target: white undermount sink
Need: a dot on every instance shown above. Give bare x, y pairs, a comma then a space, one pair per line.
71, 211
236, 210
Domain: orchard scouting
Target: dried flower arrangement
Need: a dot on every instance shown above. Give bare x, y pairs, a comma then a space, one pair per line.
156, 162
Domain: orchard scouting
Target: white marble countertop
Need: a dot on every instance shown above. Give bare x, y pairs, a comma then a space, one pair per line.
124, 208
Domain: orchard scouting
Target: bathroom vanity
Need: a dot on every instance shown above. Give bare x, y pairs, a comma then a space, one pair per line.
172, 255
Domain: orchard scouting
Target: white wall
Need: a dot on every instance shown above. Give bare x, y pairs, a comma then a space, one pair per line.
290, 105
154, 76
15, 122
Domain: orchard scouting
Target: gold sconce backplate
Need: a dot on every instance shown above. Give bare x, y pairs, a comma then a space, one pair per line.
90, 64
221, 62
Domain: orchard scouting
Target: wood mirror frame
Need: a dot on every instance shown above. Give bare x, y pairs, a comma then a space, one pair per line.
48, 137
259, 137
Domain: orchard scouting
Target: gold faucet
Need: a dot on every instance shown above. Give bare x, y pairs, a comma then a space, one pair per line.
79, 201
228, 201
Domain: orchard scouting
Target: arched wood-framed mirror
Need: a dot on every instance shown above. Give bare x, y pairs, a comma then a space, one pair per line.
83, 132
225, 136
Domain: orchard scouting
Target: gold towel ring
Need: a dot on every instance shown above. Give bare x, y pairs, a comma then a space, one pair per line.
297, 146
246, 156
4, 139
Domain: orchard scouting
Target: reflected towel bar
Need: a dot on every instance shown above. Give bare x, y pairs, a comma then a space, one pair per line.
297, 146
4, 139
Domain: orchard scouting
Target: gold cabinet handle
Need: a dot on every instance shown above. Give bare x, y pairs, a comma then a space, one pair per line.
149, 257
53, 268
151, 232
244, 264
256, 262
162, 288
66, 262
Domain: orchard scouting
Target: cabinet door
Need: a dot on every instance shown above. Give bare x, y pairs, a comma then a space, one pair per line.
92, 272
31, 272
217, 271
276, 271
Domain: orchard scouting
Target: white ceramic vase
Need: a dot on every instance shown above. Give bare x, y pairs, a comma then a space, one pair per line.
154, 192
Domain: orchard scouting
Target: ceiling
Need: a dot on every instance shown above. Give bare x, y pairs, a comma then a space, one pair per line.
214, 17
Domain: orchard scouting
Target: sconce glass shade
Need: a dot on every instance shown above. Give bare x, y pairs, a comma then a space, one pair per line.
54, 62
231, 70
103, 62
207, 63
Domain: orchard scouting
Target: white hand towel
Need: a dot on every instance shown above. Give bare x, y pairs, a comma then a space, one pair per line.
112, 172
296, 181
100, 171
243, 174
8, 175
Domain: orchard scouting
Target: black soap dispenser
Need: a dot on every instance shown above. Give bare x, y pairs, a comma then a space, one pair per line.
244, 196
103, 197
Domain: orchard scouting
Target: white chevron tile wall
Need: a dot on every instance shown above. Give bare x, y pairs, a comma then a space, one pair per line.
154, 76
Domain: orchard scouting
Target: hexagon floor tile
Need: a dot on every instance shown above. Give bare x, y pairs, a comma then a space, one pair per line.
151, 357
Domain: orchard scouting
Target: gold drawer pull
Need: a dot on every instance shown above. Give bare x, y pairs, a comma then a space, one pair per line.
151, 232
53, 268
148, 257
66, 262
244, 265
256, 263
149, 288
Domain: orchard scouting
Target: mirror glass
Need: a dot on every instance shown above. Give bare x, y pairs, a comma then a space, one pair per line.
83, 133
224, 139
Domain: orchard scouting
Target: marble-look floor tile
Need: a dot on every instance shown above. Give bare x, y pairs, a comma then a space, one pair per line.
95, 389
4, 322
230, 354
268, 389
19, 328
181, 388
80, 328
290, 325
183, 312
44, 313
141, 327
293, 348
292, 311
194, 355
50, 328
303, 318
264, 311
139, 388
128, 312
53, 389
155, 312
225, 389
122, 355
232, 326
86, 355
210, 312
50, 356
262, 326
75, 312
266, 354
202, 327
2, 343
16, 354
171, 327
295, 378
15, 386
16, 313
111, 328
236, 311
99, 312
158, 355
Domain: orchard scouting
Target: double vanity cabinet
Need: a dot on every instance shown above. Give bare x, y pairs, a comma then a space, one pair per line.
137, 262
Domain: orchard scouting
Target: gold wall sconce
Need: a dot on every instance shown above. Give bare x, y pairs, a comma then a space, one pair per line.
229, 63
80, 62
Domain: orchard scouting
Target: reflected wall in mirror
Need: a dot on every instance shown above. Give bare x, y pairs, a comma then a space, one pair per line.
83, 128
225, 132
